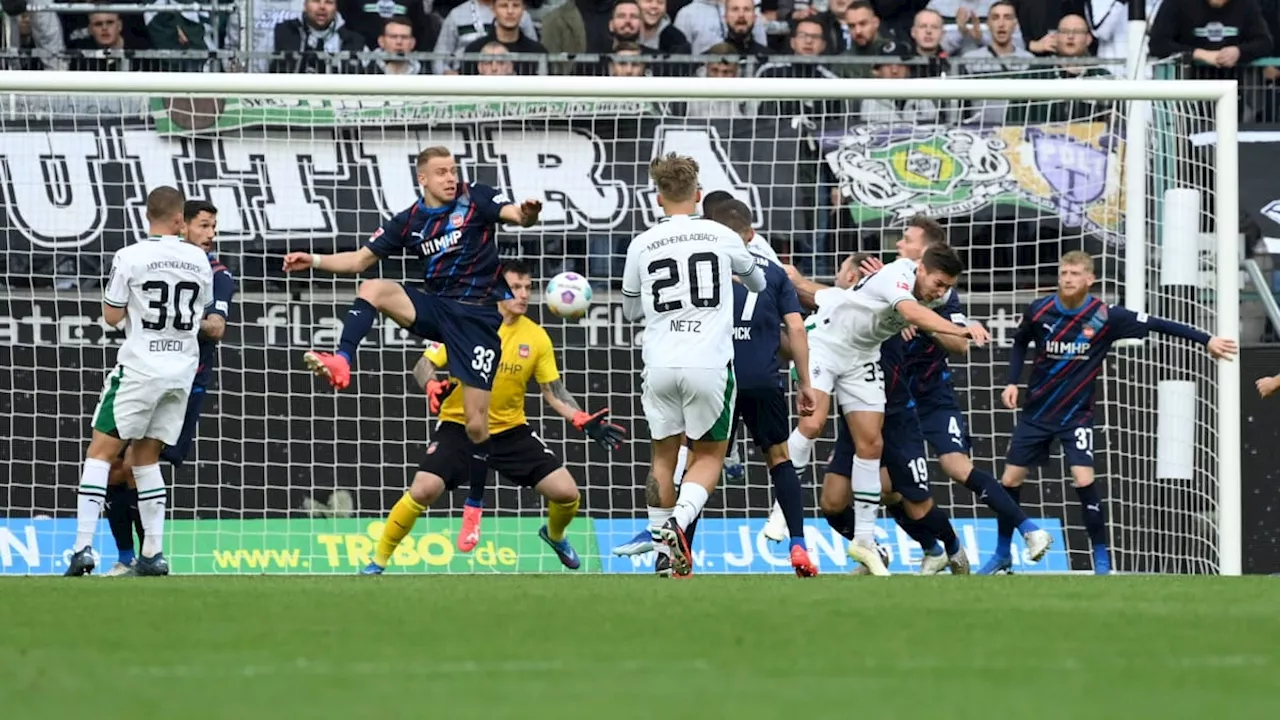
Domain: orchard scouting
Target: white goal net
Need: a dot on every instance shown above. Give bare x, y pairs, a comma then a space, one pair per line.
288, 476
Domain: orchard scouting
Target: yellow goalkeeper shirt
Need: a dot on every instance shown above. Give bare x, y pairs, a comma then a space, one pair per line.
526, 353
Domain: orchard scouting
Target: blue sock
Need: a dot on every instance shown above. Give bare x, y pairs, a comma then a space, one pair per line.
915, 530
940, 525
786, 488
478, 473
988, 489
360, 318
1095, 518
1004, 532
843, 522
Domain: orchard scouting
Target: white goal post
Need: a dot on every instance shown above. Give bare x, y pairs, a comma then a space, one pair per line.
46, 460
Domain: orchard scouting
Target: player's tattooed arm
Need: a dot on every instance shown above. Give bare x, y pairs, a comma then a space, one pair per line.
424, 372
558, 397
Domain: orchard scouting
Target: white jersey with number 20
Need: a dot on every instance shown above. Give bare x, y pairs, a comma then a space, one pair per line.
165, 283
682, 270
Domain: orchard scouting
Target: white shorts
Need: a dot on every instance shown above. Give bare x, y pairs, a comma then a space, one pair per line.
135, 407
856, 386
697, 402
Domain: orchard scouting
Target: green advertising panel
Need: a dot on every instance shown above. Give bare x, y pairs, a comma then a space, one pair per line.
344, 546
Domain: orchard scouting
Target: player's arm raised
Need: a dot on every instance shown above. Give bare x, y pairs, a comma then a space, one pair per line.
934, 324
524, 214
352, 262
743, 264
596, 425
1135, 325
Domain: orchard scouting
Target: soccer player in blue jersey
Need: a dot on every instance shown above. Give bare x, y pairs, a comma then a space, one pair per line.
1072, 331
452, 227
762, 404
945, 430
121, 506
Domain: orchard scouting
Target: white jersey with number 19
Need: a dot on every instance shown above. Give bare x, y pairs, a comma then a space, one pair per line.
682, 270
165, 283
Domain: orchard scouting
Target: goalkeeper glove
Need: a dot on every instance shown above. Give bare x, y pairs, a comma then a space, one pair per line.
437, 391
597, 426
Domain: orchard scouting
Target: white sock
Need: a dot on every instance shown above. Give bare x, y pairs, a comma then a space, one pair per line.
689, 505
682, 459
151, 506
866, 499
89, 501
800, 448
657, 518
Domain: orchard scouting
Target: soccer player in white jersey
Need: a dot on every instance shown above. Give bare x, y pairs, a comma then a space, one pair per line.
678, 278
844, 360
161, 287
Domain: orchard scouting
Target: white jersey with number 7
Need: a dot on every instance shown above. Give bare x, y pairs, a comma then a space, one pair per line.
682, 270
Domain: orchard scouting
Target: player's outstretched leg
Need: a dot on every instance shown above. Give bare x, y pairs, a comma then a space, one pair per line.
959, 467
425, 489
374, 297
563, 499
1001, 561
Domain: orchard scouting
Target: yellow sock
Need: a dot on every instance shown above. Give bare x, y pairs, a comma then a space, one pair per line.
559, 515
399, 522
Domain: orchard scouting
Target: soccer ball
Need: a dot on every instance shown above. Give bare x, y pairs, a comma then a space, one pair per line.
568, 295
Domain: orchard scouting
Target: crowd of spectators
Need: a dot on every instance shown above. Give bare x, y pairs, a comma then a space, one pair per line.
903, 37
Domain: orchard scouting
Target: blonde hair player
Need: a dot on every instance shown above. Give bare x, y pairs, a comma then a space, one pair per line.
678, 279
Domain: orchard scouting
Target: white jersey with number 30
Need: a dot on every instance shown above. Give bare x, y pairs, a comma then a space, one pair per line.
165, 284
682, 270
852, 323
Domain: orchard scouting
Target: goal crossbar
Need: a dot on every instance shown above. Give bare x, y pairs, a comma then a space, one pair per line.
557, 86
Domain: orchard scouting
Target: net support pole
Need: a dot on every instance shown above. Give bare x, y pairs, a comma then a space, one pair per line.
1135, 210
1227, 209
1135, 167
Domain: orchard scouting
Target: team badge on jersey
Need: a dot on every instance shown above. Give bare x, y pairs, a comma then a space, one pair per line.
457, 220
1088, 332
524, 351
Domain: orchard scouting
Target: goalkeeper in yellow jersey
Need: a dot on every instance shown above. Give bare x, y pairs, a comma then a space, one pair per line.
518, 452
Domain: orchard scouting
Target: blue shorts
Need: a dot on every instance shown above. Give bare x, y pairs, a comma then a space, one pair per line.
764, 411
945, 430
469, 332
1032, 442
178, 453
904, 455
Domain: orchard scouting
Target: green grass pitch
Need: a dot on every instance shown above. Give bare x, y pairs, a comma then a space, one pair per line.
635, 647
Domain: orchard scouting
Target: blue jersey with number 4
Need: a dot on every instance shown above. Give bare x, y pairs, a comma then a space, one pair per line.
757, 327
457, 242
930, 375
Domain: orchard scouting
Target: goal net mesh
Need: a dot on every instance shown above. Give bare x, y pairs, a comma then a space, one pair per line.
288, 476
